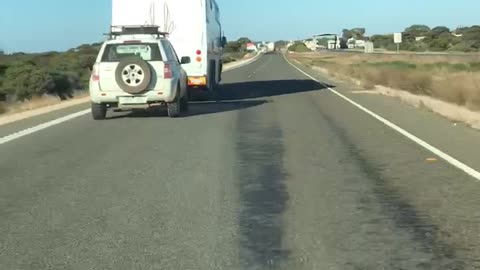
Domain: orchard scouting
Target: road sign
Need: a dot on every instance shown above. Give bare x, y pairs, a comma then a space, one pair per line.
397, 38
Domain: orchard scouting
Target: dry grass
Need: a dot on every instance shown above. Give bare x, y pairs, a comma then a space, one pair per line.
35, 103
454, 79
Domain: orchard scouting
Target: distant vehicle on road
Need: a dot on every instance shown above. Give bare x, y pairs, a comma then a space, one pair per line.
270, 46
138, 68
193, 27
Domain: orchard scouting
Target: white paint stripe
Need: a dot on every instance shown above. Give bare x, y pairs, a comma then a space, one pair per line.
40, 127
242, 64
470, 171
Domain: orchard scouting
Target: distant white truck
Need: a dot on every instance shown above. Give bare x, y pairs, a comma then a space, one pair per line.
194, 28
270, 46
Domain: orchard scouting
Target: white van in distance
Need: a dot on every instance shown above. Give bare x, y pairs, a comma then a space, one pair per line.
193, 28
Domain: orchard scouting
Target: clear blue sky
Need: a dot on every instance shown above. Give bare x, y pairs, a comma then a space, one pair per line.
44, 25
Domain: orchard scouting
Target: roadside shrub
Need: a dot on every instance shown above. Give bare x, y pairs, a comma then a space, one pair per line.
232, 57
415, 82
401, 65
25, 80
299, 47
3, 108
475, 66
367, 84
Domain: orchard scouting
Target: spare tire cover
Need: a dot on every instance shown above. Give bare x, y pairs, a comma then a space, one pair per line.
133, 75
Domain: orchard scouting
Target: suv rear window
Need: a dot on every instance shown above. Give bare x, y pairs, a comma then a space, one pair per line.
147, 51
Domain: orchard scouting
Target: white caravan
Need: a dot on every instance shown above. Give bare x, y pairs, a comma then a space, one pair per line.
194, 29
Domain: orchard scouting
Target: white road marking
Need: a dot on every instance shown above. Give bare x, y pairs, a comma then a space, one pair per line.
467, 169
247, 62
40, 127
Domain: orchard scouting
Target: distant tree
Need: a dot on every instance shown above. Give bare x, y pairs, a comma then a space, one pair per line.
411, 33
343, 43
323, 41
347, 34
244, 40
417, 30
382, 41
280, 44
439, 30
2, 52
233, 46
356, 33
471, 37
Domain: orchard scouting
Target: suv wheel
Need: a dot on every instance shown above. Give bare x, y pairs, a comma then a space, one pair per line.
173, 108
184, 104
99, 111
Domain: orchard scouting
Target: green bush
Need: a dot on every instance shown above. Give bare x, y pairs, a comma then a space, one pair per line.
400, 65
447, 66
3, 108
475, 66
26, 80
299, 47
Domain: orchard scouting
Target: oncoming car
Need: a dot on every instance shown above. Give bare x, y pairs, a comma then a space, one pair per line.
138, 68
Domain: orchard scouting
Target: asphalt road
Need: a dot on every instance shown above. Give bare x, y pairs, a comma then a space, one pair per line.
282, 174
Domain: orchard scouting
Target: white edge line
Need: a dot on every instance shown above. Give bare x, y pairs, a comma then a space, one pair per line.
247, 62
470, 171
28, 131
40, 127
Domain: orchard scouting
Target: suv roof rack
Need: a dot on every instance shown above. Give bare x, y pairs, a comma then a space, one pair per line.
136, 30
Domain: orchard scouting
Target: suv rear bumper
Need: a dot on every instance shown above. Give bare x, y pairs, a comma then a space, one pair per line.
150, 97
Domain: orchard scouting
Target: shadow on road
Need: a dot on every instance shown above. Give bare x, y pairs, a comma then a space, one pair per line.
196, 109
257, 89
233, 97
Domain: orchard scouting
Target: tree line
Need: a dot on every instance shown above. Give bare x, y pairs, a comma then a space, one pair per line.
417, 37
441, 38
23, 76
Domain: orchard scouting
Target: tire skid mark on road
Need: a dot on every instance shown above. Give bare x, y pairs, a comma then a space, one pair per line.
403, 214
263, 194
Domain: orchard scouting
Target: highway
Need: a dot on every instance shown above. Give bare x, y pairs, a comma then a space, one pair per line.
281, 174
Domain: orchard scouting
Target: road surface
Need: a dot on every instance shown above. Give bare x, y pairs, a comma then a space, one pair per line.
282, 174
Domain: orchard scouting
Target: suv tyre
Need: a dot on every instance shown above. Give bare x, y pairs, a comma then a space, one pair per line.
99, 111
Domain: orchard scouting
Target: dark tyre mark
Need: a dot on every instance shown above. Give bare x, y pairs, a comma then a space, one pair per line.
263, 193
404, 215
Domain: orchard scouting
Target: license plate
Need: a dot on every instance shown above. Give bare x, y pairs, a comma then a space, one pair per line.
132, 100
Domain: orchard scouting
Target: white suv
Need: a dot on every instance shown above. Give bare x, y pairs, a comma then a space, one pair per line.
137, 68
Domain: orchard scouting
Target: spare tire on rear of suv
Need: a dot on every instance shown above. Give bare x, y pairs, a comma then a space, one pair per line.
133, 75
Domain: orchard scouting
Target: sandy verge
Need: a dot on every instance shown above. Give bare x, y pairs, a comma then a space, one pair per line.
448, 110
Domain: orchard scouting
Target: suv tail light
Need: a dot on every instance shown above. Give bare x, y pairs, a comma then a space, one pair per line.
95, 73
167, 71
